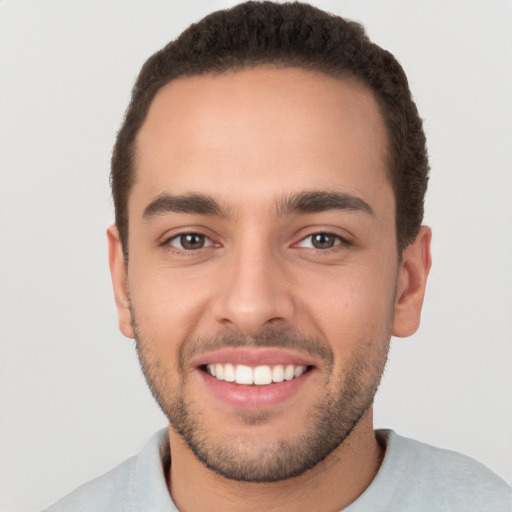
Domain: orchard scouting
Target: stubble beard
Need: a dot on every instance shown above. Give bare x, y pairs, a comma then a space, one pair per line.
328, 424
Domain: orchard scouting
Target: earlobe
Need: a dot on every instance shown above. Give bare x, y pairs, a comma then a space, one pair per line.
118, 273
412, 279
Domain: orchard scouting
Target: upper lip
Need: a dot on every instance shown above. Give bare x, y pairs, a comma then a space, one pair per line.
253, 356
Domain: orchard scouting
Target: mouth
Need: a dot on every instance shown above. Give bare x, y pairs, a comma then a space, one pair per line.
262, 375
254, 378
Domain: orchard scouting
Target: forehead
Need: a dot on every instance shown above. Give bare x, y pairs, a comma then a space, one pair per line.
261, 131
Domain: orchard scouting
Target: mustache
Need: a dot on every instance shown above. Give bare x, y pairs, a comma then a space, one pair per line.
271, 337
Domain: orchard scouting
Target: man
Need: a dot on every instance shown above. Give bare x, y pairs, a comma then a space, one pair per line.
268, 182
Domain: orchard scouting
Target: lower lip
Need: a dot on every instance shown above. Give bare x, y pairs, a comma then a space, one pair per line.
241, 396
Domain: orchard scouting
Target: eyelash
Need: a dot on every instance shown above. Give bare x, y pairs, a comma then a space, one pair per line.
339, 243
167, 242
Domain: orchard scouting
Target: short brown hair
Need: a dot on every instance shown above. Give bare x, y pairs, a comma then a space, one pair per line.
290, 35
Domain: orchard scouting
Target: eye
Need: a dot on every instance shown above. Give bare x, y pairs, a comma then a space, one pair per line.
321, 241
189, 241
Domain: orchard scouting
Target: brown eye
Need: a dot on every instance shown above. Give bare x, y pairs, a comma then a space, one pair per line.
323, 240
190, 241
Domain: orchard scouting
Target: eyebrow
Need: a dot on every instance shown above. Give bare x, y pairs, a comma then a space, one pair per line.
198, 204
321, 201
303, 202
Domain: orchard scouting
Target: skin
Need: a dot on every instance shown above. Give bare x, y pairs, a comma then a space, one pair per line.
249, 139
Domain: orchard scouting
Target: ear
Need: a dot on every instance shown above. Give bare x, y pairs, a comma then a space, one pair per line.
118, 272
412, 279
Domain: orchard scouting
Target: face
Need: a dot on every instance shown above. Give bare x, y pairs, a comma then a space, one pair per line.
263, 280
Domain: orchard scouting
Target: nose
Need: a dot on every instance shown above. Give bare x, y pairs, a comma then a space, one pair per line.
254, 293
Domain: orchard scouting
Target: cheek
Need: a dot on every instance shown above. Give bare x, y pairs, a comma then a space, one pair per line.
168, 303
352, 307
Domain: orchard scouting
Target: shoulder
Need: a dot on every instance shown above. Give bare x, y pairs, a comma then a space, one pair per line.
444, 479
139, 479
102, 493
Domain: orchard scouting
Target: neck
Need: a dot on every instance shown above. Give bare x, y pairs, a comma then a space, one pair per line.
332, 484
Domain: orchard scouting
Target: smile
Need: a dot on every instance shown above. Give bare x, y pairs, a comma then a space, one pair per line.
259, 376
254, 378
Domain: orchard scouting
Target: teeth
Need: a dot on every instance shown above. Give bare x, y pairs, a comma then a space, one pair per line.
278, 373
262, 375
229, 373
219, 371
289, 372
259, 375
243, 374
299, 370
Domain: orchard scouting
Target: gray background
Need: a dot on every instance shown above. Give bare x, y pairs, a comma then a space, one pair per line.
73, 402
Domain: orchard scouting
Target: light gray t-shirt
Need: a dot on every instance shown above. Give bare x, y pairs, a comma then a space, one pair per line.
413, 477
